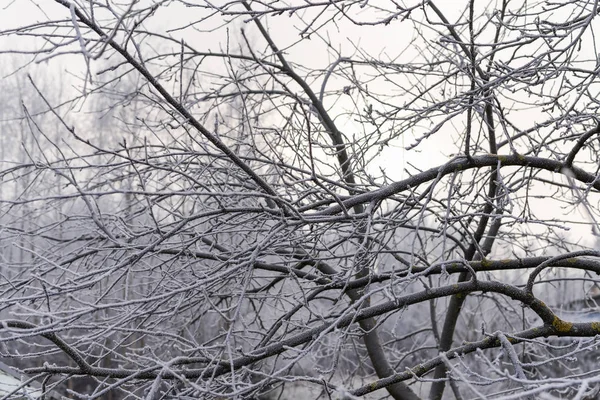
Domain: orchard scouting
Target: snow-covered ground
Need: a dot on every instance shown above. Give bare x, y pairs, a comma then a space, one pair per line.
10, 384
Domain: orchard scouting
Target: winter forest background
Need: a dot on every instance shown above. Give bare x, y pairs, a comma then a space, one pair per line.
276, 200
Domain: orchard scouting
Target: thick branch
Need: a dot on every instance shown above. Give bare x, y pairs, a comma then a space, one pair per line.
459, 164
560, 327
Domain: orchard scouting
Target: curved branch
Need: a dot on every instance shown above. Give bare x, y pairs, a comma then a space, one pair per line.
84, 367
334, 133
458, 164
579, 145
549, 262
558, 327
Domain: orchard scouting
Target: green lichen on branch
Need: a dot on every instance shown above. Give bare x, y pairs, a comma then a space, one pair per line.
561, 326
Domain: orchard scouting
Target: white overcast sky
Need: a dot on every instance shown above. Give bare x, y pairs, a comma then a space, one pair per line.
378, 40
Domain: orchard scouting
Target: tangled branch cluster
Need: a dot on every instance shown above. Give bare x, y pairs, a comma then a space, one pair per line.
350, 198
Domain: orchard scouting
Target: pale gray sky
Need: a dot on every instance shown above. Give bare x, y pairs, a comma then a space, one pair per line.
394, 42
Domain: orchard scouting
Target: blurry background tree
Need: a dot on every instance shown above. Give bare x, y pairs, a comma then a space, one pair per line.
300, 199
